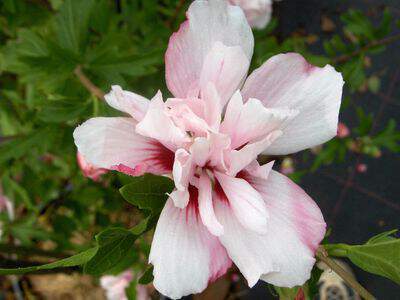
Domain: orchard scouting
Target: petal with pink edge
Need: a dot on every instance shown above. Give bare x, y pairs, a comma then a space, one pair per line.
158, 125
187, 115
185, 256
226, 67
112, 143
208, 22
237, 160
128, 102
246, 203
288, 80
295, 229
252, 121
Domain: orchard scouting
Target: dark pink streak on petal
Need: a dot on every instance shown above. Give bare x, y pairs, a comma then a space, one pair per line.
160, 159
219, 192
193, 201
244, 175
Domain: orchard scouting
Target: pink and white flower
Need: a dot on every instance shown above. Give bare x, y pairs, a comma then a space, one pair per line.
115, 286
257, 12
225, 207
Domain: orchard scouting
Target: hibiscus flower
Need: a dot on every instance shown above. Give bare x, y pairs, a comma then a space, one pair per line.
225, 207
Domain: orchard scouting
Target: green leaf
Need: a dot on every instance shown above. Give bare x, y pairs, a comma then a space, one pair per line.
358, 24
75, 260
382, 237
286, 293
73, 24
388, 138
114, 246
148, 192
20, 146
147, 276
56, 111
353, 72
380, 255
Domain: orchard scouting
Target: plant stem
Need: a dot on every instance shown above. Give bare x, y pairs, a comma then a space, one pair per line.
16, 264
88, 84
345, 57
322, 255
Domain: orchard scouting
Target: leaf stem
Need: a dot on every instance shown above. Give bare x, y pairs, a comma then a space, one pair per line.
338, 250
385, 41
88, 84
322, 255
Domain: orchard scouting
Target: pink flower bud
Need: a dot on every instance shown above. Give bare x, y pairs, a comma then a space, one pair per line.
361, 168
342, 131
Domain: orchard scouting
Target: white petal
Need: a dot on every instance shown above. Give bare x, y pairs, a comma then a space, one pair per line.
206, 208
128, 102
295, 228
180, 197
112, 143
182, 172
210, 150
226, 67
246, 203
288, 80
237, 160
247, 249
184, 254
212, 106
158, 125
252, 121
208, 22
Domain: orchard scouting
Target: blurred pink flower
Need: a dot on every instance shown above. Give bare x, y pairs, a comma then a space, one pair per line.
5, 205
225, 207
89, 170
115, 285
361, 168
257, 12
343, 131
287, 166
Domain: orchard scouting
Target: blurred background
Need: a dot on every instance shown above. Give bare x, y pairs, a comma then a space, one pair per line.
46, 46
